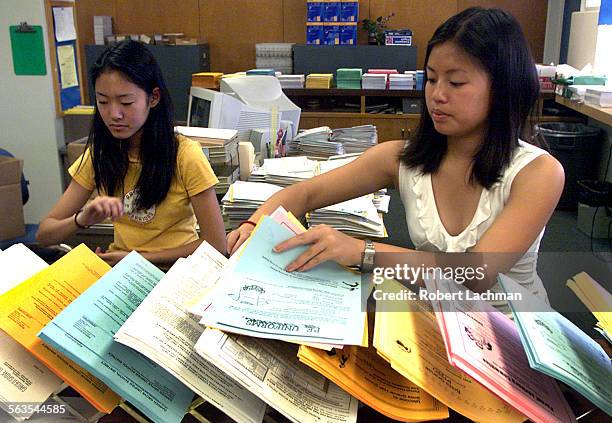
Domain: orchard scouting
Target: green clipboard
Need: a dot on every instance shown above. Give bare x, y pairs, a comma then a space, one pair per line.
28, 50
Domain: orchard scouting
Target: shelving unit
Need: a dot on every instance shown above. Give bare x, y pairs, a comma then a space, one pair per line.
338, 108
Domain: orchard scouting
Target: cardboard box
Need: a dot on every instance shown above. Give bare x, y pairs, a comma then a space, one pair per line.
74, 151
12, 224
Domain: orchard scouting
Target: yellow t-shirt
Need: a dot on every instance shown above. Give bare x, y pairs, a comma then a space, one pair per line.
166, 225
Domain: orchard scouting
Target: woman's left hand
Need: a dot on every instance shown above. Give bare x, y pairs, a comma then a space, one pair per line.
111, 257
326, 243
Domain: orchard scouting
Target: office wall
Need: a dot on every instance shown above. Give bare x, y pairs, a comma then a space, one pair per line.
30, 129
233, 27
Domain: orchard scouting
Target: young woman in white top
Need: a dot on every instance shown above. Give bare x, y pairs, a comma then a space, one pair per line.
467, 181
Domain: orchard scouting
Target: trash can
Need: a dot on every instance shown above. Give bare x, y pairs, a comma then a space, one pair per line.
577, 147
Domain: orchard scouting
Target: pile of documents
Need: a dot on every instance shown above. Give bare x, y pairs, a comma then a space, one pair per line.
598, 96
402, 81
356, 217
349, 78
486, 345
315, 143
243, 198
372, 81
285, 171
243, 334
291, 81
356, 139
558, 348
319, 80
221, 148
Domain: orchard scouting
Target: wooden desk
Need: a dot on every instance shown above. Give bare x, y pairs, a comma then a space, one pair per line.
602, 114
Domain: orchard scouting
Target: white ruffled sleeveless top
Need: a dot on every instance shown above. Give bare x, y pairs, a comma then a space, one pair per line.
429, 234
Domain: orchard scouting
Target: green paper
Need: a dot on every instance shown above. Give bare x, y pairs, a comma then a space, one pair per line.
28, 51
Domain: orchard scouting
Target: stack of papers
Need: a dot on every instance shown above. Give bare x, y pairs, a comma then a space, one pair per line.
315, 143
285, 171
291, 81
597, 299
356, 217
349, 78
108, 303
599, 96
366, 375
401, 82
259, 298
25, 379
558, 348
56, 286
407, 336
356, 139
485, 344
319, 80
387, 72
162, 329
206, 80
243, 198
221, 148
371, 81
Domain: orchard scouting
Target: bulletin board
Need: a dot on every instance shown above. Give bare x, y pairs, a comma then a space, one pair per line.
64, 49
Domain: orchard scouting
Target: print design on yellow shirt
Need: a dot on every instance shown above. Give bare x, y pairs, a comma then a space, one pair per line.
129, 207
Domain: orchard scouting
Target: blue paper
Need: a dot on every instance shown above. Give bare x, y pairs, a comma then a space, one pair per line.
84, 333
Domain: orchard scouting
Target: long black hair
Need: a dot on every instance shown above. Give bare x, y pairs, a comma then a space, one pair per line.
495, 40
158, 148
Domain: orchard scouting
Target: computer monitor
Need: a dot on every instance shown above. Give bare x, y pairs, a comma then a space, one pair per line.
263, 92
212, 109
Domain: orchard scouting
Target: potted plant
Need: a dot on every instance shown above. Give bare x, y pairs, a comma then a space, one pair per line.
376, 28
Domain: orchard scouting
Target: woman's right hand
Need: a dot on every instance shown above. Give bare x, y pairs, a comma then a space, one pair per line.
237, 237
100, 209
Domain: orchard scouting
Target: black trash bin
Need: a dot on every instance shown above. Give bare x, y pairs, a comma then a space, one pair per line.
577, 147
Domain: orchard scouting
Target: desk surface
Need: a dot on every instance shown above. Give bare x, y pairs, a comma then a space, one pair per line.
602, 114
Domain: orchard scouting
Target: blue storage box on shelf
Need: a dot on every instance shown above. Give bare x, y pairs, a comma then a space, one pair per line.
348, 33
314, 33
349, 11
314, 11
331, 34
398, 37
331, 11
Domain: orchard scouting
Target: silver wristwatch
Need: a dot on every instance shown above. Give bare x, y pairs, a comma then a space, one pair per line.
367, 259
